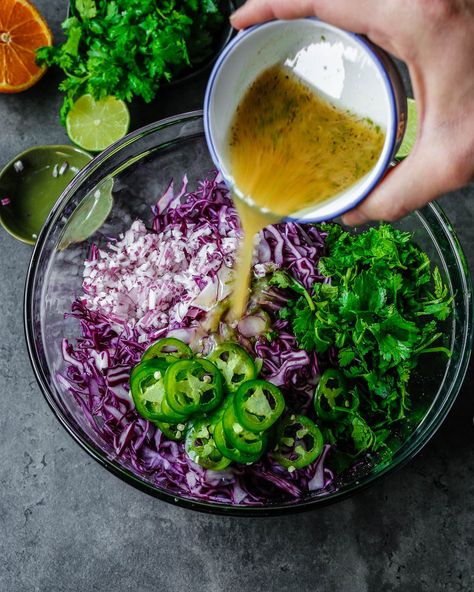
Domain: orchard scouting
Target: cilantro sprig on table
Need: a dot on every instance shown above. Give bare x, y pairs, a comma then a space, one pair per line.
128, 48
379, 313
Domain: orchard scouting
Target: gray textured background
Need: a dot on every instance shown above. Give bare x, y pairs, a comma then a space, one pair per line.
67, 524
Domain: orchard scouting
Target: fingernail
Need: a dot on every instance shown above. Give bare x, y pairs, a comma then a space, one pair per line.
354, 218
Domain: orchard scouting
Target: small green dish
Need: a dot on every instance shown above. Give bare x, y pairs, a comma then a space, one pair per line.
31, 183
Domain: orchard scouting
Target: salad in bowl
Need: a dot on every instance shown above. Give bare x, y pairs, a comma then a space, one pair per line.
351, 350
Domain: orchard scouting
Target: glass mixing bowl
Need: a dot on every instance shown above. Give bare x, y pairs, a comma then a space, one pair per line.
141, 166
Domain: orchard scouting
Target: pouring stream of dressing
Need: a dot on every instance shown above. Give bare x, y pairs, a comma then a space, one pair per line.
289, 149
252, 221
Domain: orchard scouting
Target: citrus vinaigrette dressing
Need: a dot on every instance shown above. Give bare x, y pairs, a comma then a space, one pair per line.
289, 149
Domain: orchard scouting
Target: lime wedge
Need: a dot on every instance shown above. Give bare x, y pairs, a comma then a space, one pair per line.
90, 215
94, 125
409, 138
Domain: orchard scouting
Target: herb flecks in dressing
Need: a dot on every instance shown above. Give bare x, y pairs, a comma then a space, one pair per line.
290, 149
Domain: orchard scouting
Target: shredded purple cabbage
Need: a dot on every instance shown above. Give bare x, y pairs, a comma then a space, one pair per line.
100, 361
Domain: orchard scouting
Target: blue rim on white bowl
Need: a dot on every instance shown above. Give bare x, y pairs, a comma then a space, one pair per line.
388, 78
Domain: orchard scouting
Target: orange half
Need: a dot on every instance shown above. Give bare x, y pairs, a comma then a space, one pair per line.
22, 31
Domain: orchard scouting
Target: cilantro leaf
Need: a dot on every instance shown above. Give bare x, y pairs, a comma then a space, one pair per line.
71, 46
362, 436
303, 325
282, 279
86, 8
346, 356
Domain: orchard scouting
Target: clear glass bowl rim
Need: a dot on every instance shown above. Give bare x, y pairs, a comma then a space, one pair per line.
405, 455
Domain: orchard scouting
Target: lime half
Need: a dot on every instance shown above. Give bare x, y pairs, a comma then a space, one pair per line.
94, 125
409, 138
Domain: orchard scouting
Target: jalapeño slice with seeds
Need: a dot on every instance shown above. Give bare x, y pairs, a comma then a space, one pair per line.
147, 388
332, 398
299, 442
258, 404
193, 386
235, 364
201, 446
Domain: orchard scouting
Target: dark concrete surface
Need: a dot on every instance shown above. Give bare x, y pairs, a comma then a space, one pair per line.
68, 525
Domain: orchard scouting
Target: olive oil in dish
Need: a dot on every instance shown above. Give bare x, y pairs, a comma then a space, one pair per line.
289, 149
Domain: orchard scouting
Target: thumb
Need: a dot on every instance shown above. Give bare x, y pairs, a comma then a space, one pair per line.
419, 179
369, 13
258, 11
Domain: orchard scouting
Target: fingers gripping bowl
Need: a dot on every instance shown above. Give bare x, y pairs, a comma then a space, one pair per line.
141, 167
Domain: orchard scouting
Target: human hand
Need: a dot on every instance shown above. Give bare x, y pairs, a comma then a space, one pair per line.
436, 40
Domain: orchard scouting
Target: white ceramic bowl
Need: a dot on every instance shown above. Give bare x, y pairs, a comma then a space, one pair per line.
345, 68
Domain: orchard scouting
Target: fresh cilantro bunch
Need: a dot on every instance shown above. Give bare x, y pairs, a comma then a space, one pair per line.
380, 312
127, 48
